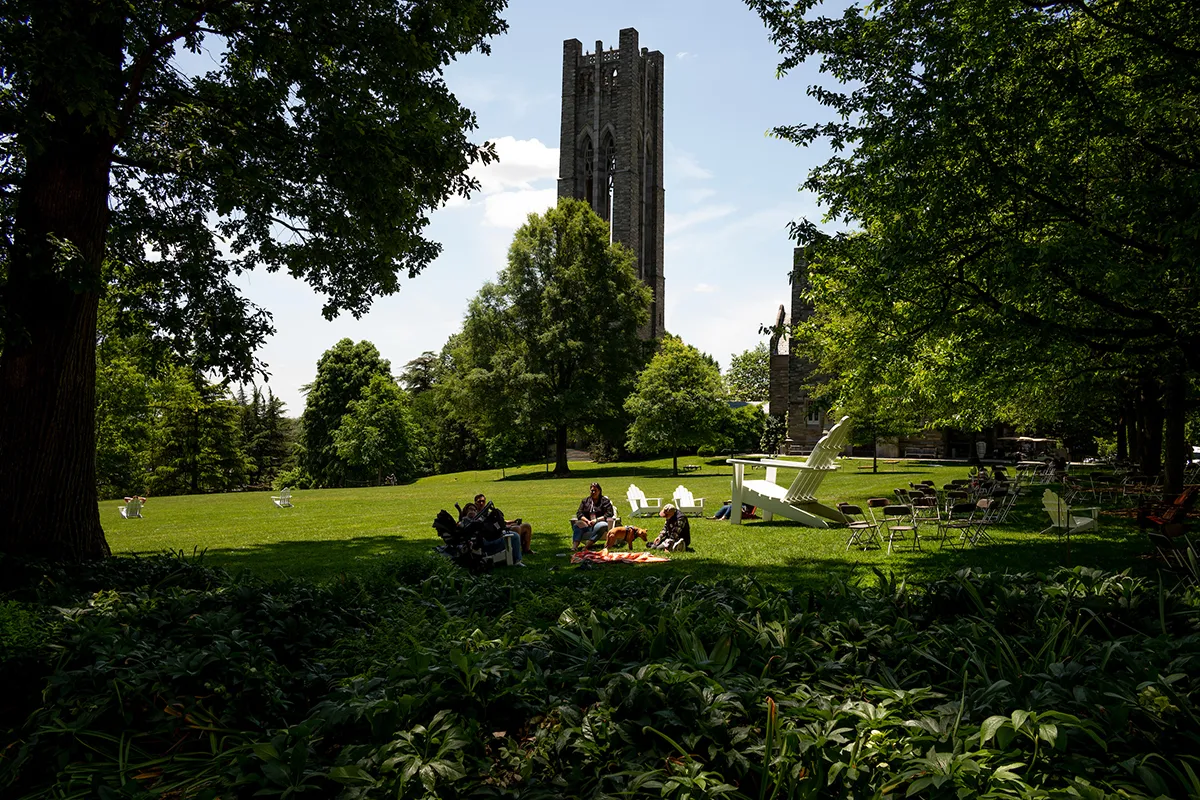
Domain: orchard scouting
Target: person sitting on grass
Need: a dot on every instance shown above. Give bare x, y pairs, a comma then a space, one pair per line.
676, 533
490, 529
593, 519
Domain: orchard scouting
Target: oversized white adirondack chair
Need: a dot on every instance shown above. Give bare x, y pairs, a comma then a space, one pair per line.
1065, 519
641, 505
688, 505
796, 502
132, 508
284, 500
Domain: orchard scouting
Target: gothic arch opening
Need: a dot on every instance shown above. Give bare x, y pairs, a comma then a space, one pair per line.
608, 152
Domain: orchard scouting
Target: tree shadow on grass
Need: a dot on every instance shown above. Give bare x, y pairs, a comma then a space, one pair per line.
619, 470
319, 559
1117, 545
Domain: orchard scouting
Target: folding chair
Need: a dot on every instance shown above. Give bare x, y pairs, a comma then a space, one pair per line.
874, 503
898, 522
985, 517
957, 523
955, 496
926, 511
863, 532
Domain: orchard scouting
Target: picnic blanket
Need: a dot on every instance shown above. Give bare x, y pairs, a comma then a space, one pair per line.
623, 557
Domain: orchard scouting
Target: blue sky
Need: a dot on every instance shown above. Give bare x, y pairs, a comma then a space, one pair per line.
730, 188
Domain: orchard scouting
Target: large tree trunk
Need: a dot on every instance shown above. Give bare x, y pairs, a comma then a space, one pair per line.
560, 451
1122, 447
48, 500
1175, 436
1151, 419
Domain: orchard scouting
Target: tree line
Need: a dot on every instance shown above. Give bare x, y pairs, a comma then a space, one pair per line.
539, 364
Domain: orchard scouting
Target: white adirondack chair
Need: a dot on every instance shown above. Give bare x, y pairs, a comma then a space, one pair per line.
132, 508
284, 500
686, 504
1065, 519
641, 505
797, 501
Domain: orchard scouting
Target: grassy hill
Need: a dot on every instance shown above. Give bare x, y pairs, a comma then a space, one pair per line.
335, 531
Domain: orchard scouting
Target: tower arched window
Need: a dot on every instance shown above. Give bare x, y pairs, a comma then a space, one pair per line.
608, 150
589, 170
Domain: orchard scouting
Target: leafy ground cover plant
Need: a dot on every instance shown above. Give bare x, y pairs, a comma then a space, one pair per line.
414, 680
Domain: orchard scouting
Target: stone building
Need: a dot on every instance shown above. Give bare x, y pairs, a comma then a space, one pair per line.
791, 375
611, 149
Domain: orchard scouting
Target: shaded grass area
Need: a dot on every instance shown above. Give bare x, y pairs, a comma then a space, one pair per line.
335, 531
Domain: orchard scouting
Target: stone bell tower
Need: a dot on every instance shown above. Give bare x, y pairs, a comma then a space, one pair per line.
611, 149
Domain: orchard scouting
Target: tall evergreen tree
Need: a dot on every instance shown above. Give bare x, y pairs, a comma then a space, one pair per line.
196, 445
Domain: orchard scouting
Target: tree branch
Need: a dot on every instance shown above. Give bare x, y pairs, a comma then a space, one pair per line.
137, 71
1128, 30
143, 164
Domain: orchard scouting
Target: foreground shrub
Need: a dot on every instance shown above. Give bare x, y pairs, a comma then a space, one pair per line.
417, 681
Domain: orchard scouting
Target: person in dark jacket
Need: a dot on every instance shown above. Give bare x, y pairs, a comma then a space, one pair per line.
676, 533
593, 519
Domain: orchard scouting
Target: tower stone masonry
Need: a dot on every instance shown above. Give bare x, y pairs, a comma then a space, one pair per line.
611, 149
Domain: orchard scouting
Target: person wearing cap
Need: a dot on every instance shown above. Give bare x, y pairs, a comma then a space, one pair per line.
676, 533
594, 517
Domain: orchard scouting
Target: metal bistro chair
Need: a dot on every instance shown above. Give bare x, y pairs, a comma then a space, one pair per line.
899, 524
863, 532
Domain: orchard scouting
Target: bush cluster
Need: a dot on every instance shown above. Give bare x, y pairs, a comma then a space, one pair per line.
419, 681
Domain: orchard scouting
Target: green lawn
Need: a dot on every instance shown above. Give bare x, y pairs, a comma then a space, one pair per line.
332, 531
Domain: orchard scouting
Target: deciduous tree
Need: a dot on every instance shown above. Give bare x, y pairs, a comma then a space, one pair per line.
377, 432
749, 375
553, 343
679, 401
316, 141
1023, 178
343, 372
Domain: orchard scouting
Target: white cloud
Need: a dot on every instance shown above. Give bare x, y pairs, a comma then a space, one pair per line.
521, 163
698, 195
675, 223
683, 166
704, 288
510, 209
684, 55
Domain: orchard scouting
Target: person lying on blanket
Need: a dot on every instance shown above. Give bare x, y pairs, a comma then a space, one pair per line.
676, 533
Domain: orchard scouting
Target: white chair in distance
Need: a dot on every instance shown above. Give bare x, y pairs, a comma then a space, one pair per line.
132, 508
1063, 518
284, 500
688, 505
641, 505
